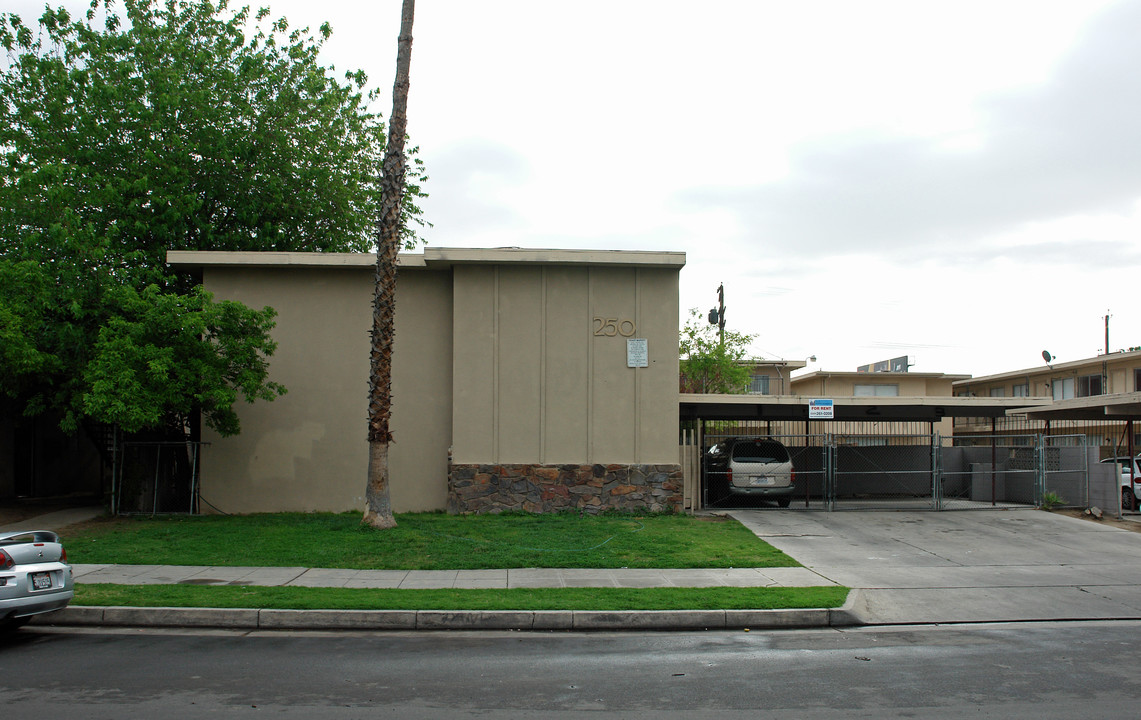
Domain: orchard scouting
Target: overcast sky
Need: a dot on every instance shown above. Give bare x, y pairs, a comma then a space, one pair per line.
954, 181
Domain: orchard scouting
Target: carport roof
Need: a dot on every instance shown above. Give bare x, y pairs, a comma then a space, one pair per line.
891, 409
1118, 406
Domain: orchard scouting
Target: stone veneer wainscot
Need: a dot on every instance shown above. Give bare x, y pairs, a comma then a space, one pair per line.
555, 488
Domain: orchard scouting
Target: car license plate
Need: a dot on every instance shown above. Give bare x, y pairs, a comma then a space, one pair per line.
761, 480
41, 581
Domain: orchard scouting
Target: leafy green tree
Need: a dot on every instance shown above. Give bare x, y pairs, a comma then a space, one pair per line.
711, 363
145, 127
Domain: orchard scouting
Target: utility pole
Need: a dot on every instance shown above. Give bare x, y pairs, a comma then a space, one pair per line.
717, 314
1107, 316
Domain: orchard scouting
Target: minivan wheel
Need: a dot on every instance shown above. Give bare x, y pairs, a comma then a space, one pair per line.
1128, 502
783, 502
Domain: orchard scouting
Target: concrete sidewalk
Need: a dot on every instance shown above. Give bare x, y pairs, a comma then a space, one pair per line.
436, 579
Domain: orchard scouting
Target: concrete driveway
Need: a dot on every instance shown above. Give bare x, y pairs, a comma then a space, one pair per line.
965, 566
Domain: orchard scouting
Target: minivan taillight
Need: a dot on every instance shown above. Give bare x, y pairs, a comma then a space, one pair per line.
729, 474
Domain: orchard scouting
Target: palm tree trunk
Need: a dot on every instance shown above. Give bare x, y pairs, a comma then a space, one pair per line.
378, 512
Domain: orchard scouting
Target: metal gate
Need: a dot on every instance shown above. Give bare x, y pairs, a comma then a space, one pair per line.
990, 471
1065, 471
1014, 471
156, 477
917, 472
884, 472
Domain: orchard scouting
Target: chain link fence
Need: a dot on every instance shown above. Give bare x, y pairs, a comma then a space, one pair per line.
1066, 479
846, 471
156, 478
883, 472
993, 471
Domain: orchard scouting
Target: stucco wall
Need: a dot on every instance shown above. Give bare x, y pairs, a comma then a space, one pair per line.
513, 363
307, 450
541, 370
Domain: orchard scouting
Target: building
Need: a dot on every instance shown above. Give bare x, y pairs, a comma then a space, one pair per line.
773, 377
866, 385
1098, 382
536, 380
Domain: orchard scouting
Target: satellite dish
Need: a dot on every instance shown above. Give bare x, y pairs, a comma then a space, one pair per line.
1047, 356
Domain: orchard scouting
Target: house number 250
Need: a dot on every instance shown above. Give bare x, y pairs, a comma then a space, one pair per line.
610, 327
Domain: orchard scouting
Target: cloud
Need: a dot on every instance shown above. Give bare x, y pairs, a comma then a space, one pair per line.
471, 187
1067, 147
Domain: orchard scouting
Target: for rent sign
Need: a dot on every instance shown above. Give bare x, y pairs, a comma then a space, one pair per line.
820, 409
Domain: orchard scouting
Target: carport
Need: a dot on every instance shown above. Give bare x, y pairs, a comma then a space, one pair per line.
888, 452
1099, 408
1124, 407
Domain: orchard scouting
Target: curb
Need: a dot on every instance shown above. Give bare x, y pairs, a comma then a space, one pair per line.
527, 620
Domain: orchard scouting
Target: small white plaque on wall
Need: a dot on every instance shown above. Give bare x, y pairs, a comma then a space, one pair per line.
637, 353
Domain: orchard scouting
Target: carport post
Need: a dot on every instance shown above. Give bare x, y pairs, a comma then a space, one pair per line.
702, 498
993, 457
807, 444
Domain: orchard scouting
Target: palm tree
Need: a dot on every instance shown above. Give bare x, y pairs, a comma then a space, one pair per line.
378, 512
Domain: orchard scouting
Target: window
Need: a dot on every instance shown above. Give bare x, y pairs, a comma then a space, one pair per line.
1022, 390
1063, 388
1137, 380
759, 385
1089, 385
998, 392
759, 451
875, 391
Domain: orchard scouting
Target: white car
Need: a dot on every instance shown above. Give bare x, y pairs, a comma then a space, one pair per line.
1130, 481
34, 576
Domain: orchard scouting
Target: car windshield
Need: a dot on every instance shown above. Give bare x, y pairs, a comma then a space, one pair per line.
760, 451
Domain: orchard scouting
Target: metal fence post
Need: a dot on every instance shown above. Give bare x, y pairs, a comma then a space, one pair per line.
829, 448
936, 471
1039, 469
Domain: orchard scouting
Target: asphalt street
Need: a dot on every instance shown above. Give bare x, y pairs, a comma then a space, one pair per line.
1025, 670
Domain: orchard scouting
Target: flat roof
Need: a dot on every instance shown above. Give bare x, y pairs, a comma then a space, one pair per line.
1054, 367
887, 375
432, 257
1118, 406
891, 409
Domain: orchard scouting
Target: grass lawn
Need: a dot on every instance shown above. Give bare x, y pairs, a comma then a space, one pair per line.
434, 541
425, 541
716, 598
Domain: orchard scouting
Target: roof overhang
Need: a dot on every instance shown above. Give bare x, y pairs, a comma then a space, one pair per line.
1118, 406
869, 409
432, 257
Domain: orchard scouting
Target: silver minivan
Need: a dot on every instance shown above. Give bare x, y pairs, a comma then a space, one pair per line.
751, 466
